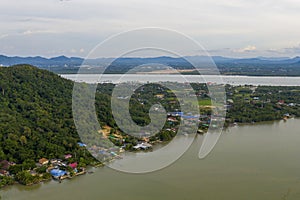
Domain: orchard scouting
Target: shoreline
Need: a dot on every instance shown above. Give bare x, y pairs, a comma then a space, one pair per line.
154, 74
100, 165
154, 143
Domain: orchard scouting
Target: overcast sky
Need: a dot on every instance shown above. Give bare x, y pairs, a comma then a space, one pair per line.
239, 28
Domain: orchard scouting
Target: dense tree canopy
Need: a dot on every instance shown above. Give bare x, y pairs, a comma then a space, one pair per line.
35, 115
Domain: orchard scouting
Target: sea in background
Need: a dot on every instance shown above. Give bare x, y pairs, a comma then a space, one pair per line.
260, 161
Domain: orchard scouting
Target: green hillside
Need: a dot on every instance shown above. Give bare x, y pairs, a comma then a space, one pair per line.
35, 115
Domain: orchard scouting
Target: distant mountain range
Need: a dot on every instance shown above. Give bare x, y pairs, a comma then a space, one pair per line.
235, 66
63, 61
40, 61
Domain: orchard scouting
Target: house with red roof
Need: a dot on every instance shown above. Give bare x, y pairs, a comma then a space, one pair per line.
73, 165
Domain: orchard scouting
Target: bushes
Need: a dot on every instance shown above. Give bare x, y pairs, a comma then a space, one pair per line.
4, 180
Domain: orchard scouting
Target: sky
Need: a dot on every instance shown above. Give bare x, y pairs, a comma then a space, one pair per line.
232, 28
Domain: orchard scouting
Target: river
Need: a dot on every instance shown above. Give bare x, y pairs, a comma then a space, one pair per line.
260, 161
232, 80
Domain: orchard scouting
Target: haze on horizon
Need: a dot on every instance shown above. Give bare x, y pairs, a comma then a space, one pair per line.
232, 28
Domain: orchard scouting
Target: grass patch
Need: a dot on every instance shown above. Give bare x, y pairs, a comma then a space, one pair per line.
204, 102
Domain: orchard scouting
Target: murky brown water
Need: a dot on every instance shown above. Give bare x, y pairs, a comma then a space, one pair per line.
258, 162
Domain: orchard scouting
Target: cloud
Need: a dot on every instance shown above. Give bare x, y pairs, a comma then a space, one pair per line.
253, 51
248, 48
4, 36
77, 51
32, 32
217, 24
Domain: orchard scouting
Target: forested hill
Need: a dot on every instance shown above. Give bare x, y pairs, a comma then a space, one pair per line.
35, 114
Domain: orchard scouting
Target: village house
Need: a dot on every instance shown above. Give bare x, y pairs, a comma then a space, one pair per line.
160, 96
172, 119
4, 172
280, 102
73, 165
4, 166
143, 146
68, 156
43, 161
54, 161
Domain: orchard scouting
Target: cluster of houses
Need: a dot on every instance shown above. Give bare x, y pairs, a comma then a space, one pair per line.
189, 119
105, 154
58, 167
282, 102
